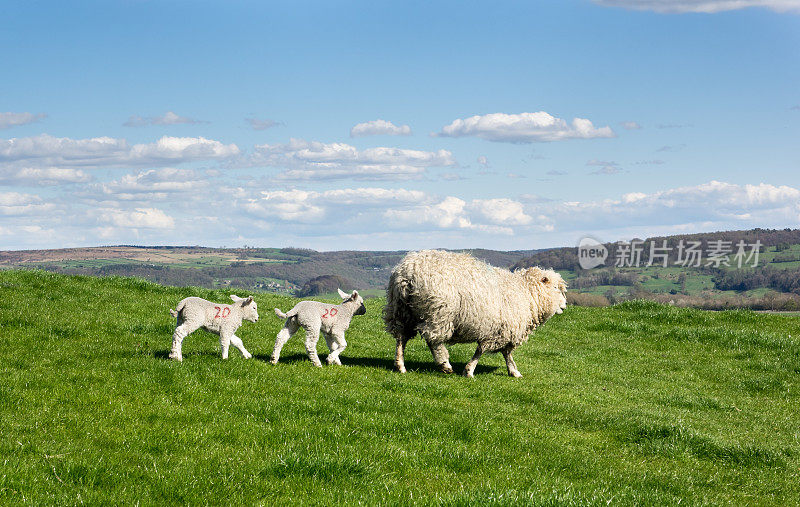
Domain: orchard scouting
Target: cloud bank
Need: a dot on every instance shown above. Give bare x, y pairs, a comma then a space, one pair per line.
379, 128
524, 128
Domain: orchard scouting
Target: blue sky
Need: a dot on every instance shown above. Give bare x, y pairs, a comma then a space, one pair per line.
378, 125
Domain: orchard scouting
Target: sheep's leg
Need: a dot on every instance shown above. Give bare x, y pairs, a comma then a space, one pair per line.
339, 344
180, 333
312, 336
224, 343
284, 334
237, 342
441, 356
399, 359
510, 364
331, 359
469, 369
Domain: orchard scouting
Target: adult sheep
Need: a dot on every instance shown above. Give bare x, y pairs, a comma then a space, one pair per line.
455, 298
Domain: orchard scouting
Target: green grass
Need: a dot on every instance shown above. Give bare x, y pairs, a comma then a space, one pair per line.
636, 403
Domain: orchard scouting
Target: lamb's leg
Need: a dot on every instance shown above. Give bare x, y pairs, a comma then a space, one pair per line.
224, 342
441, 356
289, 328
237, 342
399, 359
180, 333
312, 336
339, 344
331, 359
469, 369
510, 364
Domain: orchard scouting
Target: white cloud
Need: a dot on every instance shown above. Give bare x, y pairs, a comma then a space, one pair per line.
316, 160
378, 128
524, 128
154, 185
49, 151
716, 204
42, 177
138, 218
305, 206
8, 120
706, 6
630, 125
605, 166
262, 124
17, 204
500, 211
168, 118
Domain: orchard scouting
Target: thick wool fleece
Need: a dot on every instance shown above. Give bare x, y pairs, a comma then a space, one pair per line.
313, 316
455, 298
193, 313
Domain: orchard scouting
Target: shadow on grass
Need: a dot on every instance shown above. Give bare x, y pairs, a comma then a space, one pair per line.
427, 367
164, 354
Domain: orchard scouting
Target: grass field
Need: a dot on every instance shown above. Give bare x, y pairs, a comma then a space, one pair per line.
636, 403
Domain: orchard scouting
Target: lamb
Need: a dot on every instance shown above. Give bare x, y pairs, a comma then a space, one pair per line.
313, 316
193, 313
454, 298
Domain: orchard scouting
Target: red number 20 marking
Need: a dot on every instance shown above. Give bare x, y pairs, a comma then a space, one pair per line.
330, 313
222, 312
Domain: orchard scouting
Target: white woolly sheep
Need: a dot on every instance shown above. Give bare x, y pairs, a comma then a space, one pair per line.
193, 313
454, 298
313, 316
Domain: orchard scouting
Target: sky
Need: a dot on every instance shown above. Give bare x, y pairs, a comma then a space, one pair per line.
395, 125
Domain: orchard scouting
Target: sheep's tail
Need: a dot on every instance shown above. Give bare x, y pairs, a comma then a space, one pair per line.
281, 314
178, 309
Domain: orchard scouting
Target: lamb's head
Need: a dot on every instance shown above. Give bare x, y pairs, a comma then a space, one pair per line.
249, 307
357, 300
548, 289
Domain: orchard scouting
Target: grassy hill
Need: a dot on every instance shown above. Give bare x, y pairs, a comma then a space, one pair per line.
635, 403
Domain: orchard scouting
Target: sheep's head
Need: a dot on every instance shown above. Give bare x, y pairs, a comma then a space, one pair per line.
548, 289
356, 298
249, 307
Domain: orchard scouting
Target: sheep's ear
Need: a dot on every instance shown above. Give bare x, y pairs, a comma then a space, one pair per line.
343, 294
247, 301
235, 298
354, 295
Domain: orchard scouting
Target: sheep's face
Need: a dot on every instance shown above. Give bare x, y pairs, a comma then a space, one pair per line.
551, 289
249, 308
356, 297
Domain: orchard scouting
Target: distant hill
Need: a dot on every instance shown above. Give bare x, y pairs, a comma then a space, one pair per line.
774, 284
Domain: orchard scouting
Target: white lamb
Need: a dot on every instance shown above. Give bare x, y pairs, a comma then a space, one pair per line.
455, 298
193, 313
313, 316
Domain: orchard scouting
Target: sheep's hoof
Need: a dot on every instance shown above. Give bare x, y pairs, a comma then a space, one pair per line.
176, 357
273, 360
468, 374
515, 374
400, 368
247, 355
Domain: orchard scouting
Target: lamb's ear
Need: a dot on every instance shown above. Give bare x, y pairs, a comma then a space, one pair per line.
354, 295
247, 301
343, 294
235, 298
